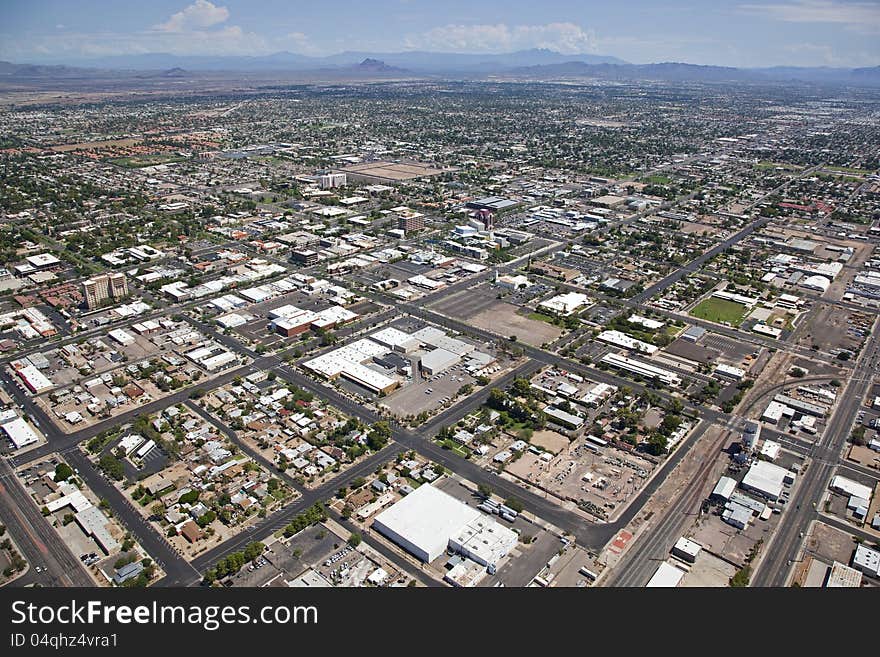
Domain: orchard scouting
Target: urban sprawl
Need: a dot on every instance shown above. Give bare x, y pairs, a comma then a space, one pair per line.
435, 333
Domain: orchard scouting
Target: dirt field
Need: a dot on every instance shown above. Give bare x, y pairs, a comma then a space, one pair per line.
830, 544
550, 440
709, 570
502, 319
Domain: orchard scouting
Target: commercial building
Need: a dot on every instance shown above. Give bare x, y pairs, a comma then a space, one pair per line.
305, 257
127, 572
564, 304
724, 489
483, 540
765, 479
729, 371
686, 549
736, 515
42, 260
842, 576
437, 361
212, 357
34, 379
563, 418
770, 331
383, 172
491, 203
410, 223
849, 487
619, 339
693, 333
774, 412
105, 286
395, 339
642, 369
348, 362
332, 180
801, 406
19, 432
428, 521
667, 576
866, 560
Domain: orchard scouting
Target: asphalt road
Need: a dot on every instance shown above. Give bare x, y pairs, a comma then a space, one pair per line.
36, 539
643, 557
785, 545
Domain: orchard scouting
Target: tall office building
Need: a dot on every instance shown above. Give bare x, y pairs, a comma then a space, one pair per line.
331, 180
103, 287
409, 224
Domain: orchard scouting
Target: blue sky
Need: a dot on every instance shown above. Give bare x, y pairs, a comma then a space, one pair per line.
724, 32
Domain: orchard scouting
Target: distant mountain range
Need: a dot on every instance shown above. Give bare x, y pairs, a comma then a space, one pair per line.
680, 72
415, 61
534, 64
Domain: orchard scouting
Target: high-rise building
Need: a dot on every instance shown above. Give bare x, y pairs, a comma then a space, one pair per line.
118, 285
487, 218
410, 224
106, 286
330, 180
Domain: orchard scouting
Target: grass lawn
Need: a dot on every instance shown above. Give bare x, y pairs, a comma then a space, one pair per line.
452, 446
849, 170
138, 161
720, 311
657, 180
772, 165
541, 317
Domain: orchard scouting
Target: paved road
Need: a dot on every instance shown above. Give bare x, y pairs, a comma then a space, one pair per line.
36, 539
784, 546
644, 556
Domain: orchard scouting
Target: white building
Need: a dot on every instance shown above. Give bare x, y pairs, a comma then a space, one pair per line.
867, 561
849, 487
427, 521
765, 479
564, 304
667, 576
20, 433
619, 339
332, 180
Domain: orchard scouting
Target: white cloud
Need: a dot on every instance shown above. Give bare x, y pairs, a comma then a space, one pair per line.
197, 16
857, 15
567, 38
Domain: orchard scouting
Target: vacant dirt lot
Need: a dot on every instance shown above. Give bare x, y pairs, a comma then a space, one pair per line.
502, 319
550, 440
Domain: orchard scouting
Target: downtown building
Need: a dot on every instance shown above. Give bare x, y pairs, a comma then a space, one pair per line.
106, 286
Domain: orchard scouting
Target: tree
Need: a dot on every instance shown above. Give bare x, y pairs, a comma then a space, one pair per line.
514, 504
112, 467
379, 435
62, 472
741, 578
354, 540
657, 443
521, 387
485, 490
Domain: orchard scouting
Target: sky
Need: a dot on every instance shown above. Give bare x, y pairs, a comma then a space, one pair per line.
744, 33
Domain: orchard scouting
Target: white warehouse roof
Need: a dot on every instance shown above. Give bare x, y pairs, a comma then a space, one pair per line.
849, 487
423, 522
20, 433
765, 478
667, 575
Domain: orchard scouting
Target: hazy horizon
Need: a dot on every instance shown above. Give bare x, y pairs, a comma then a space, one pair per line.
832, 33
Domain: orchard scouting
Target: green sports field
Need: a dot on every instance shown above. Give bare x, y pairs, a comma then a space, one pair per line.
720, 311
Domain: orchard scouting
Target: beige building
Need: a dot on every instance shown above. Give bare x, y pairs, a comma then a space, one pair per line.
103, 287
